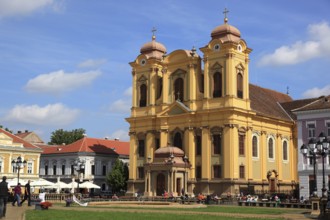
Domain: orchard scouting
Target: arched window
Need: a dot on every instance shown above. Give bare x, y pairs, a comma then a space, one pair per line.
177, 140
239, 85
178, 89
143, 95
216, 143
270, 148
285, 150
254, 146
159, 87
217, 80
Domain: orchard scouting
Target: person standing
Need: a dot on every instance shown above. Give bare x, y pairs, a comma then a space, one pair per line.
3, 196
17, 195
27, 194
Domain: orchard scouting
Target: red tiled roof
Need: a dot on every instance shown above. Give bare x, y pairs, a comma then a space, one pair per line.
290, 106
23, 135
267, 102
19, 140
316, 104
89, 145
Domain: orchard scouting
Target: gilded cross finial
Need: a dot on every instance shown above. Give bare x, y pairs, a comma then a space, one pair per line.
225, 12
153, 33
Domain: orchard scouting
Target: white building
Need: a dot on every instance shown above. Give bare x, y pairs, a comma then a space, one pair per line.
98, 156
313, 117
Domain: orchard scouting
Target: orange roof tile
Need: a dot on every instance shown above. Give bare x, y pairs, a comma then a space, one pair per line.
89, 145
23, 135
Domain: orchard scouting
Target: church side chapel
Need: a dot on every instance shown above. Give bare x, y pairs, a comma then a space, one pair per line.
209, 131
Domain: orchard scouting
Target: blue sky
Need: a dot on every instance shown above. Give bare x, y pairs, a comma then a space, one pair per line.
64, 64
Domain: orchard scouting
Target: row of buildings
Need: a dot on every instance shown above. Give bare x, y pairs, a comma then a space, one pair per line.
53, 162
196, 125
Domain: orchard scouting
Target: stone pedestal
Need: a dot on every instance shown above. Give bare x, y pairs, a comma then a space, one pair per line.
315, 206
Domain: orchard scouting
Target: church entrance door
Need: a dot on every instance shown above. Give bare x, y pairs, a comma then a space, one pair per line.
160, 184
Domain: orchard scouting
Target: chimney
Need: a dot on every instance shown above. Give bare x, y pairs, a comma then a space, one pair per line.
26, 131
116, 139
19, 132
106, 138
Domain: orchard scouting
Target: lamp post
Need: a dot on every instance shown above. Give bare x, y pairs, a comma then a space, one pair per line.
185, 159
79, 166
317, 149
18, 164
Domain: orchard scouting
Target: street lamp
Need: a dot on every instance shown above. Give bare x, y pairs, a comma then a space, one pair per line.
79, 166
18, 164
185, 159
316, 149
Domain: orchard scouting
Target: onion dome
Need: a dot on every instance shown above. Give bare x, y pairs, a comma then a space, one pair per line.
226, 32
153, 49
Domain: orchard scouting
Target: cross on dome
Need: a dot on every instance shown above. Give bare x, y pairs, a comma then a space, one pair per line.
225, 12
153, 33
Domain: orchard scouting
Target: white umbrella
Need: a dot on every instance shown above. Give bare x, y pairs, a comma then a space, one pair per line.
89, 185
41, 182
60, 185
13, 182
73, 185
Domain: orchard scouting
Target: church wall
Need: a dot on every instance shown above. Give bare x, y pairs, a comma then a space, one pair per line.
203, 113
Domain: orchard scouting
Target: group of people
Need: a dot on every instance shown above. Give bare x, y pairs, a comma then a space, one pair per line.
17, 191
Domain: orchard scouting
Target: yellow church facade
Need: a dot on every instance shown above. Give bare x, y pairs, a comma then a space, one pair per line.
198, 126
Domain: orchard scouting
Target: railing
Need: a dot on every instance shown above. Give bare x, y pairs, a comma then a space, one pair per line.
57, 196
276, 204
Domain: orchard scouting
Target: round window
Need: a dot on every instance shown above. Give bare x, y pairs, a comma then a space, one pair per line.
216, 47
239, 48
143, 62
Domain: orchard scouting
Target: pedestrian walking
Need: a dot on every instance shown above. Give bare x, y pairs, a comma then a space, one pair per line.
17, 195
3, 197
27, 194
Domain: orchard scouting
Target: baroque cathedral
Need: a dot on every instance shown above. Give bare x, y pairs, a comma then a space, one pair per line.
198, 126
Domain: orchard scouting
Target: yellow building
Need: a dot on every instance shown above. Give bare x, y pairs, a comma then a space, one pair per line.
197, 125
12, 147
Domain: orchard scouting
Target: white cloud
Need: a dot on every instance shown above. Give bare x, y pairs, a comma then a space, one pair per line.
317, 92
52, 114
317, 46
121, 134
24, 7
92, 63
59, 81
128, 91
121, 106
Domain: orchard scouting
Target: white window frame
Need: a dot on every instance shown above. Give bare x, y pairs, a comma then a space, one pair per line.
308, 123
257, 136
29, 171
274, 144
327, 127
287, 149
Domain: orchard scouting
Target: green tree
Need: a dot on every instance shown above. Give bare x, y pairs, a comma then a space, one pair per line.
117, 178
61, 136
